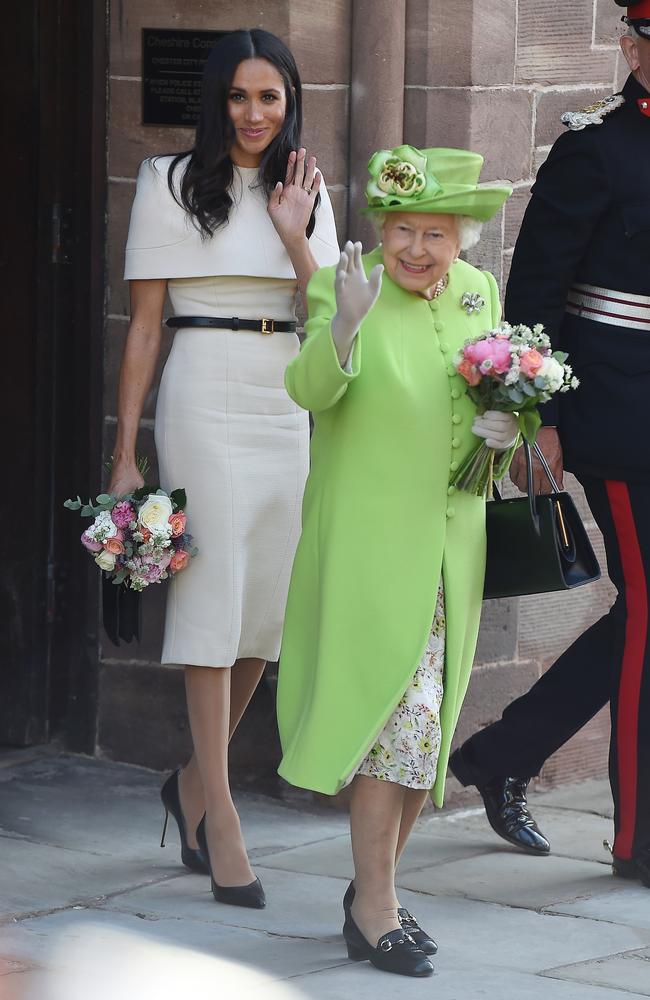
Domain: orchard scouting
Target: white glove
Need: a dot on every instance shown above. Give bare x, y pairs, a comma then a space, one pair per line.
355, 297
499, 429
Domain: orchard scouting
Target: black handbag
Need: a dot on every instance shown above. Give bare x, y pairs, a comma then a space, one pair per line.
536, 544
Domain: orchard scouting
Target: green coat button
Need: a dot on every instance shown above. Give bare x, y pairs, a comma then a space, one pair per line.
455, 442
455, 393
444, 348
451, 370
450, 512
456, 419
451, 491
434, 306
454, 465
439, 326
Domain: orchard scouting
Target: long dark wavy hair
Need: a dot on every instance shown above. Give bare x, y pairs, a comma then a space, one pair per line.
209, 173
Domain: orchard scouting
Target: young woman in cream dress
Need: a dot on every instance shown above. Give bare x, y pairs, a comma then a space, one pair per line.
219, 231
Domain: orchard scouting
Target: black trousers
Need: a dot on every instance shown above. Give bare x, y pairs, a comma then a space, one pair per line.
610, 662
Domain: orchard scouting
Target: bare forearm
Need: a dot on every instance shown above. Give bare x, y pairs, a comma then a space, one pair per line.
304, 264
136, 376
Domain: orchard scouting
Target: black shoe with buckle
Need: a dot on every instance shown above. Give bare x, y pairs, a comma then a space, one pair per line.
408, 922
396, 951
637, 867
505, 804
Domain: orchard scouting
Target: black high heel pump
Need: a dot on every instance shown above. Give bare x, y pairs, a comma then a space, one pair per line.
251, 895
190, 856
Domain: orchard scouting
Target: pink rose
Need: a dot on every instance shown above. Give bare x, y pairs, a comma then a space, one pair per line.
494, 349
122, 514
114, 545
179, 561
531, 362
90, 543
469, 372
178, 522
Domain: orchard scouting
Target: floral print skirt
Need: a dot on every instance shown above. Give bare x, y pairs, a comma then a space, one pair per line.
407, 749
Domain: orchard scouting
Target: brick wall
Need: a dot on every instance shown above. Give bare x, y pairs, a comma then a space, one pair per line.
491, 75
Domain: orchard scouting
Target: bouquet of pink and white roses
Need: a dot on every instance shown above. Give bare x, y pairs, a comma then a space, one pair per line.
137, 539
512, 369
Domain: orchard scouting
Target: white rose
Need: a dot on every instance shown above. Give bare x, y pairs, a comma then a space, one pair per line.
553, 372
105, 560
154, 514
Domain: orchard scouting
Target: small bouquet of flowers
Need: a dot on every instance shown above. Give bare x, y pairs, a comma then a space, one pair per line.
138, 539
512, 369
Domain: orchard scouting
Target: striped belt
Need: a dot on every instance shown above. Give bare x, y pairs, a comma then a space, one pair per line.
604, 305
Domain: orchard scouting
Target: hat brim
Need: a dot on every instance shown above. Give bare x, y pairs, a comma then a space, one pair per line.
480, 203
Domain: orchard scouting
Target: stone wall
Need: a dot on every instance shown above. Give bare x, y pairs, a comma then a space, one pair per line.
492, 75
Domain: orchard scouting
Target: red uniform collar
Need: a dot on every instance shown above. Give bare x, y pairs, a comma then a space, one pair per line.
639, 10
643, 104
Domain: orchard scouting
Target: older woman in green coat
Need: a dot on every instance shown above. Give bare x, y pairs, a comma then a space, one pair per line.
385, 598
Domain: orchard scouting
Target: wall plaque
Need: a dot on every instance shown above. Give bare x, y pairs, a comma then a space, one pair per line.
172, 64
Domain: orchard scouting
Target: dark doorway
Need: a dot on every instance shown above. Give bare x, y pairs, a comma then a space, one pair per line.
51, 262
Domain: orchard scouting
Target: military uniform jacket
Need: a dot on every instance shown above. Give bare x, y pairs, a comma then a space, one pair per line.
588, 222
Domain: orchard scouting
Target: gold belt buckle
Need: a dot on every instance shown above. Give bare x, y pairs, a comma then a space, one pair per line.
268, 326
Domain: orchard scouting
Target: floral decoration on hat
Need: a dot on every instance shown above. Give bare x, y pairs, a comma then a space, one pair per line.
399, 173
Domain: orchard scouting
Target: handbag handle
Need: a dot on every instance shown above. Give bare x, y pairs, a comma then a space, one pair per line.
530, 487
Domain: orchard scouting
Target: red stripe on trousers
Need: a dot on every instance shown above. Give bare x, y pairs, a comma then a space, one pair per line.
636, 633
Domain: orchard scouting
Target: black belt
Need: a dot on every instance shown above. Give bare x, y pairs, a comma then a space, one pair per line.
234, 323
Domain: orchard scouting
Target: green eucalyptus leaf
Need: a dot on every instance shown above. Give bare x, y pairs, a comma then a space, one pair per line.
179, 499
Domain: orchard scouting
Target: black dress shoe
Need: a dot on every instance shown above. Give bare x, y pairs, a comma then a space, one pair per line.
408, 922
505, 804
251, 895
634, 868
190, 856
395, 952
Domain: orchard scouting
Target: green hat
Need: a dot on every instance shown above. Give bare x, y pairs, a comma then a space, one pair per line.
445, 181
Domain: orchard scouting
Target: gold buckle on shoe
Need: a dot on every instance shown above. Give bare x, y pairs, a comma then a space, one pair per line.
268, 326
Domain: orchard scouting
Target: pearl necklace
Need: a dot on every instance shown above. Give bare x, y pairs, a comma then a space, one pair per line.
440, 286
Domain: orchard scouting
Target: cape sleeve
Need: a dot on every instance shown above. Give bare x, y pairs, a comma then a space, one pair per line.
157, 223
315, 379
570, 195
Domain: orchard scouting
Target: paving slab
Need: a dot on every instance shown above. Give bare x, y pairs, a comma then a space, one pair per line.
126, 816
39, 877
514, 879
334, 856
298, 905
592, 795
630, 905
365, 983
309, 906
572, 833
628, 972
40, 941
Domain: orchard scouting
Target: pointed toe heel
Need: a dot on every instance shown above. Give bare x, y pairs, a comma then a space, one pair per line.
251, 896
170, 798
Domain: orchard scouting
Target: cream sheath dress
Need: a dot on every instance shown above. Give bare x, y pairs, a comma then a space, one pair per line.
225, 428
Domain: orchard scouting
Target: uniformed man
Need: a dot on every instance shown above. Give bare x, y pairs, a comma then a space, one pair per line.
582, 268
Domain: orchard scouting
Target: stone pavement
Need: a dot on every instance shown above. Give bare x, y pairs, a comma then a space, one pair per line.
79, 849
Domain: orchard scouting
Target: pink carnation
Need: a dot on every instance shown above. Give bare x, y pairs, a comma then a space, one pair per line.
90, 543
531, 362
469, 372
122, 514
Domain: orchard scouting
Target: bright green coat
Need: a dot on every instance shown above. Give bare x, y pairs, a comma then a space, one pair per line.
380, 523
